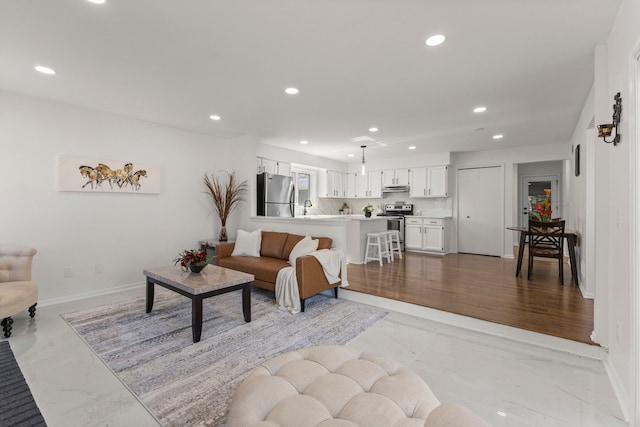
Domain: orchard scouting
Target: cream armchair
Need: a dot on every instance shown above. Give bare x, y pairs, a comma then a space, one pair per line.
17, 291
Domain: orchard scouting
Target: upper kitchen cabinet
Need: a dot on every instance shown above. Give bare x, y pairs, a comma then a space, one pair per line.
393, 177
432, 181
335, 185
272, 166
364, 186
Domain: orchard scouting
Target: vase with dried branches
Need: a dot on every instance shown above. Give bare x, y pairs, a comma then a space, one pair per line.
225, 192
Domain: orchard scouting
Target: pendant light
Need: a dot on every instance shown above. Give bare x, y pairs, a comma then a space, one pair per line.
363, 170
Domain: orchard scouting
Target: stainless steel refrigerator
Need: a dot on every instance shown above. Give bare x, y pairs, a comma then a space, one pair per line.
275, 195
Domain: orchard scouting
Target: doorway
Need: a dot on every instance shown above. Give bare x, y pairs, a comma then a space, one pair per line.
535, 189
480, 210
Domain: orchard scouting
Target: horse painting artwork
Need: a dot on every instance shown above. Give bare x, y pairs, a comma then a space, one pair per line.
120, 177
102, 176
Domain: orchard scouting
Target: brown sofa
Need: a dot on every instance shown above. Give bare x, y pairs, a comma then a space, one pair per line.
274, 255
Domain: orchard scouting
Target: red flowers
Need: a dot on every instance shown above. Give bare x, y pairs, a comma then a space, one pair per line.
192, 257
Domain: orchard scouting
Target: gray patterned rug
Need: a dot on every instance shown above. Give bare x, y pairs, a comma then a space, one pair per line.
187, 384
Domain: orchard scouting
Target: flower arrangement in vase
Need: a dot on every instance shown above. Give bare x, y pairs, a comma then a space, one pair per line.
193, 260
542, 210
367, 210
225, 193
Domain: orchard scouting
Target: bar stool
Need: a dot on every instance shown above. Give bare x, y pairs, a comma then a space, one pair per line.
378, 244
393, 238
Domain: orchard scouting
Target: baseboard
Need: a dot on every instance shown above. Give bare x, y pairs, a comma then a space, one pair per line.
533, 338
84, 295
619, 390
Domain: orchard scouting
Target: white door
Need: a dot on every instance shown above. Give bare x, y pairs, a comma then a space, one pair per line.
480, 211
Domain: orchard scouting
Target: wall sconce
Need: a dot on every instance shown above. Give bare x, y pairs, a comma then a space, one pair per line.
606, 130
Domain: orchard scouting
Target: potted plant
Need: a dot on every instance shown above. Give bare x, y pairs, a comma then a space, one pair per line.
367, 210
193, 260
225, 193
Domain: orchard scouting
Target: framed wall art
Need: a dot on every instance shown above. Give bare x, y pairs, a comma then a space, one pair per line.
107, 176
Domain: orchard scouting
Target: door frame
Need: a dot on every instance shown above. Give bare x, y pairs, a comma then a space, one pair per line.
502, 202
524, 195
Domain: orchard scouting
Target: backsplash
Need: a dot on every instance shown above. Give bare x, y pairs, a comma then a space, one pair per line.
436, 207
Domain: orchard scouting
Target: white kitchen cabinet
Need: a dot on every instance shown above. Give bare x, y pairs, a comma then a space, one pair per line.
284, 168
374, 184
266, 165
432, 181
429, 235
438, 181
364, 186
393, 177
413, 233
272, 166
335, 185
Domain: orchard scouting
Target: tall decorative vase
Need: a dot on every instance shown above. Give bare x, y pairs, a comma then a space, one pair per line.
223, 234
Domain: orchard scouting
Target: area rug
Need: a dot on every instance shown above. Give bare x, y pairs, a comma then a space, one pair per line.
17, 407
187, 384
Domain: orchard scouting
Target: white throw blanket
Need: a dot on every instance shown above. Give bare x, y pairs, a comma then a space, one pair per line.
287, 292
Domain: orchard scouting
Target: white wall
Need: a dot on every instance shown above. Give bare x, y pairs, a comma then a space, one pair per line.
124, 232
508, 158
613, 168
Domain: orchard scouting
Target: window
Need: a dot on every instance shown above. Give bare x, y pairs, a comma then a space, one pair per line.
303, 185
305, 180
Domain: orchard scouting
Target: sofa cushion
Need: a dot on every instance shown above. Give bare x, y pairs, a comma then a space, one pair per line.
263, 268
247, 243
303, 247
293, 239
273, 244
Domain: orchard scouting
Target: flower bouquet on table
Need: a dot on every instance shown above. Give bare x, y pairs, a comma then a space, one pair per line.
367, 210
193, 260
542, 210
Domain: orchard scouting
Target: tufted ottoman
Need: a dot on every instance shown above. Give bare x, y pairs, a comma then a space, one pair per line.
338, 386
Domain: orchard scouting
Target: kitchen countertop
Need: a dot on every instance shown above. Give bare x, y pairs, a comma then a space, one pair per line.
428, 216
332, 218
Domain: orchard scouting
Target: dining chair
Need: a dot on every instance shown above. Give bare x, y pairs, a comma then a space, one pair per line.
546, 240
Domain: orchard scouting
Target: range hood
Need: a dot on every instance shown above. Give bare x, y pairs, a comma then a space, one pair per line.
396, 189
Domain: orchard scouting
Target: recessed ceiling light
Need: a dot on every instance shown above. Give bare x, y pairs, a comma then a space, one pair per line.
350, 155
215, 117
45, 70
480, 109
435, 40
304, 142
292, 91
498, 136
374, 129
96, 1
413, 147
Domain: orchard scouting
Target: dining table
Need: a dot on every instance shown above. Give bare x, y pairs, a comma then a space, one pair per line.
569, 235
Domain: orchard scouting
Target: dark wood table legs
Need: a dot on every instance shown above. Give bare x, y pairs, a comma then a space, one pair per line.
571, 245
246, 302
523, 241
196, 302
150, 293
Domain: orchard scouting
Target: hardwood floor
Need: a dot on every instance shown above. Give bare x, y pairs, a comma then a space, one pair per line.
485, 288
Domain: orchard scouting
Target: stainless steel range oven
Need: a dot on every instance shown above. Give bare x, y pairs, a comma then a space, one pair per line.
399, 210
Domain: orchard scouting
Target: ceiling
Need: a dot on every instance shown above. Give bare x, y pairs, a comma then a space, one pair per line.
357, 64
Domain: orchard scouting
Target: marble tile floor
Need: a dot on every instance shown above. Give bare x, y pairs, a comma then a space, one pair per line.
507, 382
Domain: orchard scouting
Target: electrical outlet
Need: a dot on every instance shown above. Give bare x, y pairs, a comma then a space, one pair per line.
68, 272
99, 269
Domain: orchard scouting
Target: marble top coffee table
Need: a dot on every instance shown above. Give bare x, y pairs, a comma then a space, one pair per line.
213, 280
